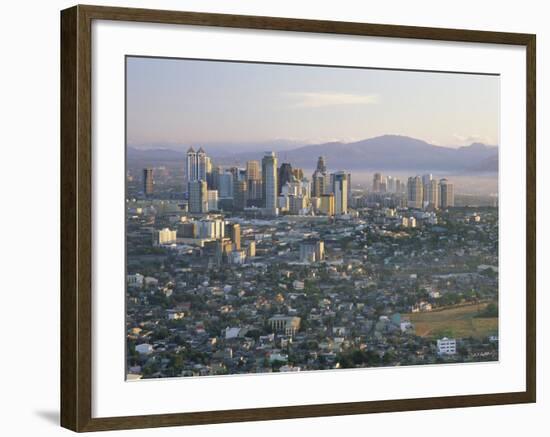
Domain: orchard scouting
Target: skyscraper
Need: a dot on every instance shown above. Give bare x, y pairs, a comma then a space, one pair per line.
431, 194
327, 204
198, 196
269, 182
233, 231
415, 192
377, 182
426, 179
203, 164
285, 175
148, 182
446, 194
253, 170
198, 165
225, 185
191, 165
320, 180
240, 189
340, 190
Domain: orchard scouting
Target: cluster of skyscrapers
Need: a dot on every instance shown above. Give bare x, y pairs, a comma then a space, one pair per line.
261, 185
421, 191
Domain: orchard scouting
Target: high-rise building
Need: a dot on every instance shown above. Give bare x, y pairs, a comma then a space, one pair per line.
320, 180
415, 192
233, 231
327, 204
198, 196
198, 165
240, 189
191, 171
431, 194
225, 185
446, 194
426, 178
340, 190
253, 171
377, 182
390, 184
164, 236
298, 173
148, 182
269, 182
212, 200
285, 175
203, 164
321, 165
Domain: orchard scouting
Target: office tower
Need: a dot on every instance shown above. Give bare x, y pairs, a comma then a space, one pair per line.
285, 175
415, 192
254, 191
198, 165
225, 185
298, 173
253, 171
233, 231
321, 165
312, 251
212, 200
203, 163
198, 196
164, 236
148, 181
297, 204
319, 184
327, 204
377, 182
446, 194
191, 171
431, 193
269, 182
390, 184
340, 190
240, 189
425, 181
319, 180
213, 178
399, 186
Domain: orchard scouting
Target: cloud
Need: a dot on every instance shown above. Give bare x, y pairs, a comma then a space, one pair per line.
466, 140
324, 99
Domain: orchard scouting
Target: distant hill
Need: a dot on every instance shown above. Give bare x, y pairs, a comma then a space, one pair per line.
387, 152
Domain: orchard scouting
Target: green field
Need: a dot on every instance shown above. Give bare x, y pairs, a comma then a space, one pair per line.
458, 322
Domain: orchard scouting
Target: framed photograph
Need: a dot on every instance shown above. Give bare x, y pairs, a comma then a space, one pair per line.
269, 218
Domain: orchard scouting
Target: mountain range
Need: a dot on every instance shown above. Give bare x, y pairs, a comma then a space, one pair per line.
387, 152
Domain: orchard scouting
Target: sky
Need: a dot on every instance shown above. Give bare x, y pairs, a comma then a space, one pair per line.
178, 101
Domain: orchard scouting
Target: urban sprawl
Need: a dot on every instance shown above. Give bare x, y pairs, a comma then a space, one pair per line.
266, 269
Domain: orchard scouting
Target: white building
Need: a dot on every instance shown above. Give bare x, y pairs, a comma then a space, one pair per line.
212, 200
144, 349
446, 346
164, 236
269, 180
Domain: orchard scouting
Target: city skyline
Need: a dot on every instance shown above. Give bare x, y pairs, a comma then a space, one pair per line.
379, 253
174, 101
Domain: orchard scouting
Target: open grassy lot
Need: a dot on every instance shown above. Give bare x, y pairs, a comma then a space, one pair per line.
457, 321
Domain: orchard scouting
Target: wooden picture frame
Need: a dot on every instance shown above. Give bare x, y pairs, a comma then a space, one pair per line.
76, 217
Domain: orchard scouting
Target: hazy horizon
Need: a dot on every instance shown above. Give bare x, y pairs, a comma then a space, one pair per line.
176, 102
